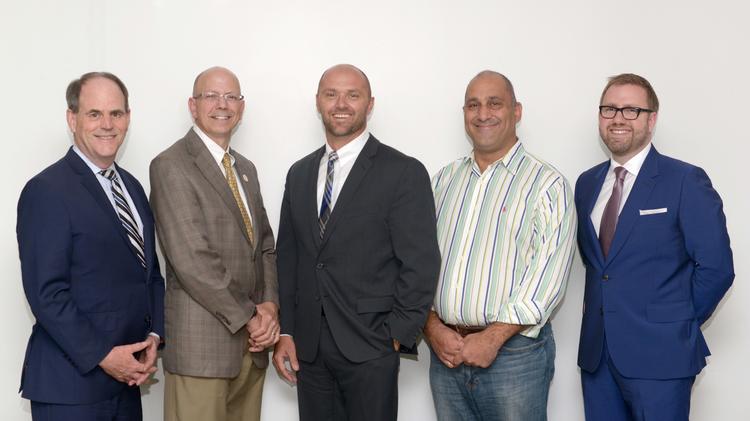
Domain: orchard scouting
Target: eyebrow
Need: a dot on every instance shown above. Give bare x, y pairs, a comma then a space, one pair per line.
96, 110
492, 98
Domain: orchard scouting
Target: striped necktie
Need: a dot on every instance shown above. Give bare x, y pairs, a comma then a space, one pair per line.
126, 215
325, 205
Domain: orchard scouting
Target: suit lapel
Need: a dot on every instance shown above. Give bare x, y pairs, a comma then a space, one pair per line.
211, 172
589, 228
361, 165
639, 194
310, 201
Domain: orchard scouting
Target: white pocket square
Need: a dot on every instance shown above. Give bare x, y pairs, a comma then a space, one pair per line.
652, 211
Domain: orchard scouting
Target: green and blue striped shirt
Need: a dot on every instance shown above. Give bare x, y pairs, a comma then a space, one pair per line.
507, 238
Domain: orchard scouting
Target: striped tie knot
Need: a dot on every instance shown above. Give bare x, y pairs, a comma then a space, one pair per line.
109, 174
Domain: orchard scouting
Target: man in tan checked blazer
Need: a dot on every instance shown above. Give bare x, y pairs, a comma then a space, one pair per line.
221, 306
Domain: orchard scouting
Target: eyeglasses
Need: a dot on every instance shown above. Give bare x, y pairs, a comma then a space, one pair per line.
215, 96
628, 113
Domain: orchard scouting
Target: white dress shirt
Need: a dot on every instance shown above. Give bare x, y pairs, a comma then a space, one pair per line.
218, 153
633, 166
341, 167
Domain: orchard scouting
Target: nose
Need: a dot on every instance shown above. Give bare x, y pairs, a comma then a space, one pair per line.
484, 112
340, 101
107, 122
222, 102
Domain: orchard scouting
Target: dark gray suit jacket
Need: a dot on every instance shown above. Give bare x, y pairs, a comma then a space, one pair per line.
375, 271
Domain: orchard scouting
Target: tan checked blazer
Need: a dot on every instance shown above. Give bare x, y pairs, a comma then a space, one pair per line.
214, 276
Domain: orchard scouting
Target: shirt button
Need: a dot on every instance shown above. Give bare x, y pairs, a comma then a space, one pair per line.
320, 266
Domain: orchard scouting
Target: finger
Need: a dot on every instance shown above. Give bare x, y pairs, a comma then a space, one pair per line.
139, 381
138, 346
260, 331
150, 357
293, 361
265, 337
284, 373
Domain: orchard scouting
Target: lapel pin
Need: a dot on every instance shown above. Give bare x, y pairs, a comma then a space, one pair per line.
244, 178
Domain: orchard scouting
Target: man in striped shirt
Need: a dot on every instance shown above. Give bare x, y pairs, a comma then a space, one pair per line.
506, 229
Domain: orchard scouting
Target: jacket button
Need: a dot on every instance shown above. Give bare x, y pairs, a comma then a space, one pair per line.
320, 266
605, 278
222, 318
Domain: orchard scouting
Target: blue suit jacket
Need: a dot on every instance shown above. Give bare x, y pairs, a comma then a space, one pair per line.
83, 282
664, 275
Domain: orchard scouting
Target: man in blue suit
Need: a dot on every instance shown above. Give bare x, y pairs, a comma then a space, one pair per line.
89, 268
653, 238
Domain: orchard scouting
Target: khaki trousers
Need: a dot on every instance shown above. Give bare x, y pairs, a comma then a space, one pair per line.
188, 398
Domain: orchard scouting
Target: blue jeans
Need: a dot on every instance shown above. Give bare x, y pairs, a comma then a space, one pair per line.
514, 388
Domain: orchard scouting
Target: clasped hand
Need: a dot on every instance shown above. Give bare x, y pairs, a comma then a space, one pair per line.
122, 365
264, 327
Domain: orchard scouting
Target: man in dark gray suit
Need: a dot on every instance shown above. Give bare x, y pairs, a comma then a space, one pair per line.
358, 261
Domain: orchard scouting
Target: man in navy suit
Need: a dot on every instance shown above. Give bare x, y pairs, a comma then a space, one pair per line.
89, 268
653, 238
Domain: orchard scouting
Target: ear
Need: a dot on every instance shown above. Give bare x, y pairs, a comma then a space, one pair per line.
518, 112
370, 105
652, 121
241, 111
317, 103
193, 107
71, 117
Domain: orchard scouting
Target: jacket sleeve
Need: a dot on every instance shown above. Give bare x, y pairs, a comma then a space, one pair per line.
287, 264
413, 232
704, 229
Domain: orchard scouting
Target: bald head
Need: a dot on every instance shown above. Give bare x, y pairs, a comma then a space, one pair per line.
488, 75
199, 83
344, 69
217, 104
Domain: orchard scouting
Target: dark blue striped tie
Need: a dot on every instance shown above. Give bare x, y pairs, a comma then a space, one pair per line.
325, 205
126, 215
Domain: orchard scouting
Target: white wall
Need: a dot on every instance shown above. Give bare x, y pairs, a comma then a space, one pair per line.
419, 55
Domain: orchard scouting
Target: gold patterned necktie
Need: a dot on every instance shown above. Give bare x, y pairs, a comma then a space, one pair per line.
232, 180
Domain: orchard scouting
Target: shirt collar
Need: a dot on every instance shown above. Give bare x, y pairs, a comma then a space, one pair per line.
511, 161
216, 151
351, 149
634, 164
93, 167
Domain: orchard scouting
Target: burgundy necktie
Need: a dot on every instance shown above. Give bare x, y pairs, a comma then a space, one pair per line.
612, 212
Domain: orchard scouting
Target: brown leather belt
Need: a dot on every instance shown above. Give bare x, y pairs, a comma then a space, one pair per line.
466, 330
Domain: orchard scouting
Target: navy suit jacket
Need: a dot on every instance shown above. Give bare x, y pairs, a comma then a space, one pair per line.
375, 271
83, 282
667, 269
